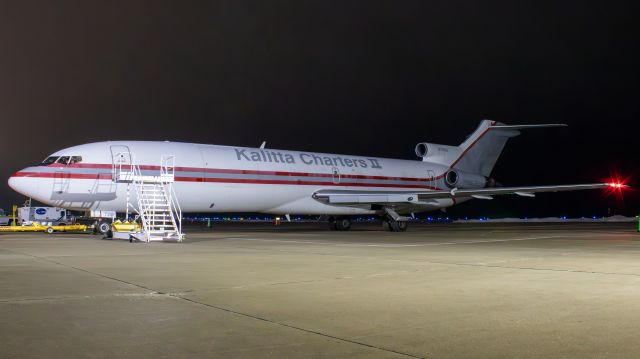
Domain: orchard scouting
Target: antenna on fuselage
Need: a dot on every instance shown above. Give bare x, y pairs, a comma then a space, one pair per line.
264, 143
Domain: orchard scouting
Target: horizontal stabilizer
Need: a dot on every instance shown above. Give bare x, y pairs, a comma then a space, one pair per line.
526, 127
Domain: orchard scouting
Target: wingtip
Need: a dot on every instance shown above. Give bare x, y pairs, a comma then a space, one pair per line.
616, 185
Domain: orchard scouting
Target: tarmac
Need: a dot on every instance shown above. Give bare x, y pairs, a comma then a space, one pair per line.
300, 291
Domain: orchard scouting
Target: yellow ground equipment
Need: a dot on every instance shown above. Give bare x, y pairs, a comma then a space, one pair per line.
124, 230
37, 227
14, 208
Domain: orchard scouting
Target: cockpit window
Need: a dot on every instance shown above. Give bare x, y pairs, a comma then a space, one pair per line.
50, 160
75, 159
63, 160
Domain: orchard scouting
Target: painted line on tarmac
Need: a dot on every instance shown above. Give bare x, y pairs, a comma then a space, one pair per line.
397, 245
465, 242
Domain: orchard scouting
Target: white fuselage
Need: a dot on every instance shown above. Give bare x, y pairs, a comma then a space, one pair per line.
211, 178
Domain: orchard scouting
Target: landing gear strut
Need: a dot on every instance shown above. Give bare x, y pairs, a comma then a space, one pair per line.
339, 223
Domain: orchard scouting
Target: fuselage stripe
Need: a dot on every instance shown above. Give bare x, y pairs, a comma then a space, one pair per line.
253, 180
237, 171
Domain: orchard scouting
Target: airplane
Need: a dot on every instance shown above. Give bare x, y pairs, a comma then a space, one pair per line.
212, 178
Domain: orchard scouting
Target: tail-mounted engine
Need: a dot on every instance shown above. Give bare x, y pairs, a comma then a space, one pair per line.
458, 179
435, 153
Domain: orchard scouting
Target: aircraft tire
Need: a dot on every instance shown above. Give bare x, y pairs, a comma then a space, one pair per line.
398, 226
343, 224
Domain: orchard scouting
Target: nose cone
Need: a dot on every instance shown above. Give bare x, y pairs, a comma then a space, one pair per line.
24, 182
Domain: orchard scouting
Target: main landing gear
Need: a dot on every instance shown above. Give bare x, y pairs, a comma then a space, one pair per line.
394, 226
394, 222
339, 223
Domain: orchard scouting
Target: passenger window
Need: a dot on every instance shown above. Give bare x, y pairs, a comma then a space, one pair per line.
75, 159
63, 160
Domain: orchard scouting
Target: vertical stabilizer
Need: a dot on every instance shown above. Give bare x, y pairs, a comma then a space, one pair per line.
480, 151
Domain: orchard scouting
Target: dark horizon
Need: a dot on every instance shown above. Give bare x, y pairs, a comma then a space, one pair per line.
334, 77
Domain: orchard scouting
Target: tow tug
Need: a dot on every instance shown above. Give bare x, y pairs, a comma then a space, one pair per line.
44, 227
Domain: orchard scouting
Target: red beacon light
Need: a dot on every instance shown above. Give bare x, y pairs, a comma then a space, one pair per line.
617, 183
616, 186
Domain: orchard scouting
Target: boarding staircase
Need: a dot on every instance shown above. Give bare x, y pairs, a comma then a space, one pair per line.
156, 202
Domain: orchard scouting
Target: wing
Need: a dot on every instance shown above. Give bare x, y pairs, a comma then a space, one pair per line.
354, 197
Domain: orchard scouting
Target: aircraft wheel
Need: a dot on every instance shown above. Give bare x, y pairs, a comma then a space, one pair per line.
398, 226
343, 224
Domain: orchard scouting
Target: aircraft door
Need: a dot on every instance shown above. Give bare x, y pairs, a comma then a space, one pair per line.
121, 159
335, 172
120, 154
61, 181
431, 179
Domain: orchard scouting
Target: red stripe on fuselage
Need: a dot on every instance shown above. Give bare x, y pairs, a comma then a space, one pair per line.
224, 180
250, 172
63, 175
308, 183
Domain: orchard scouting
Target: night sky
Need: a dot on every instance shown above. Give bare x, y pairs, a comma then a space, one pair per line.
354, 77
